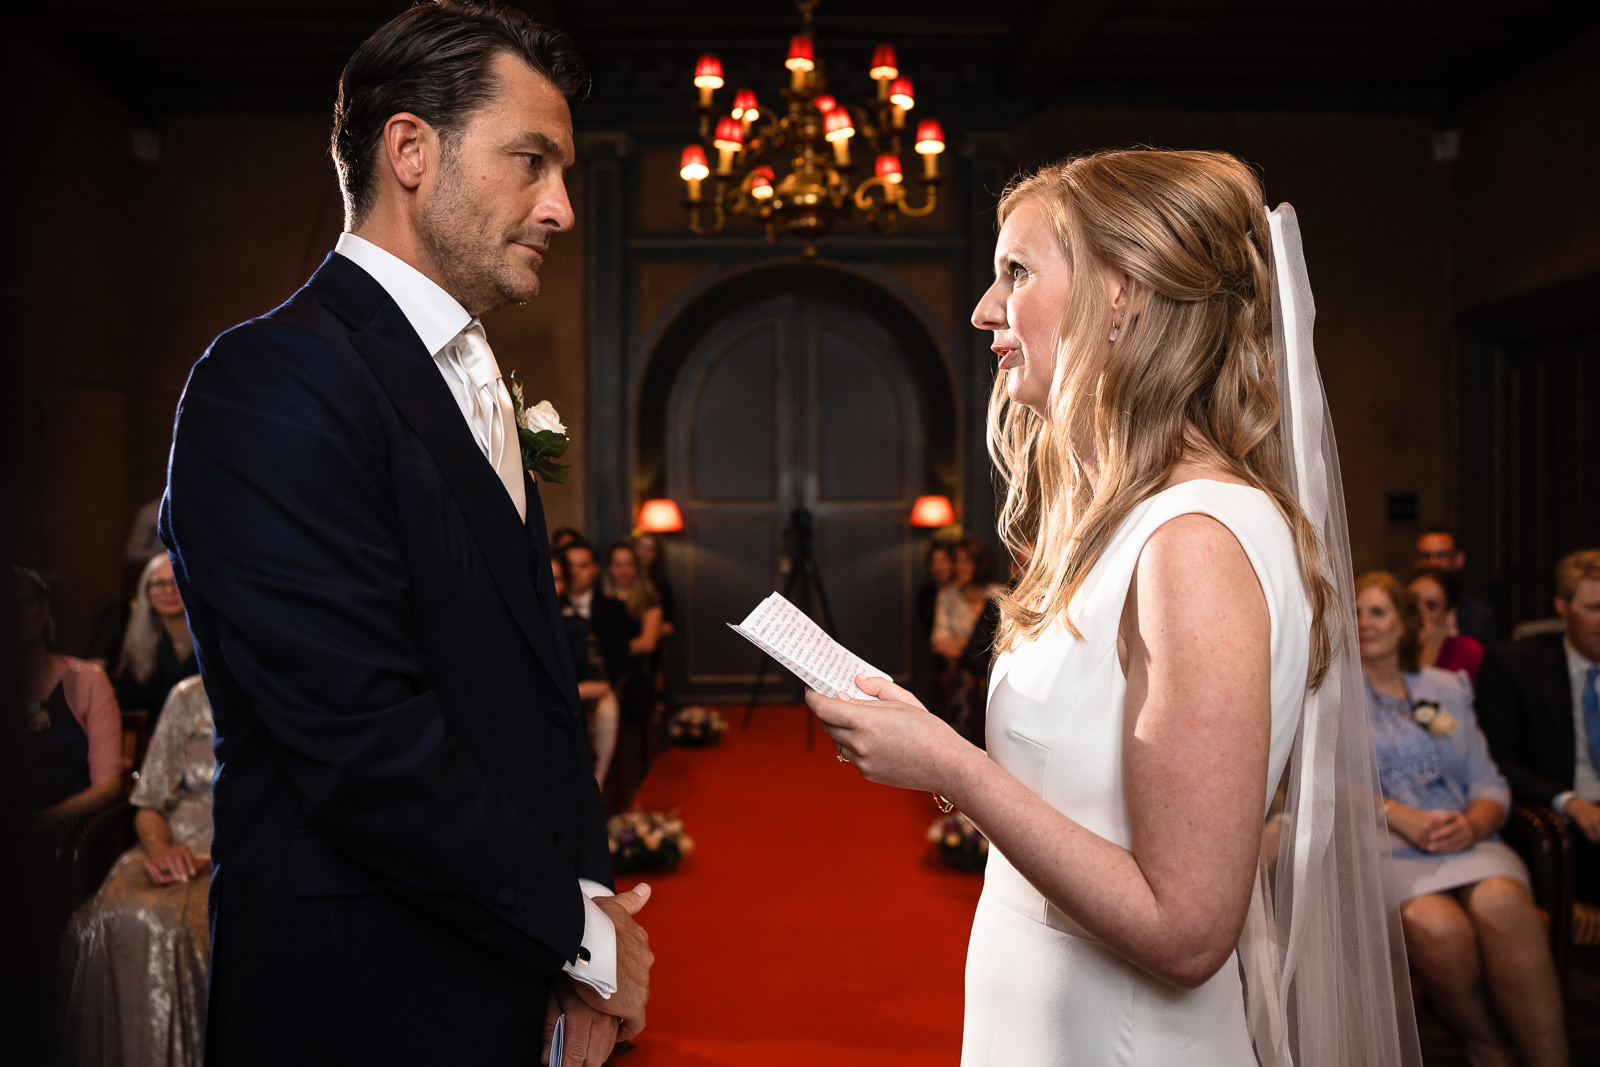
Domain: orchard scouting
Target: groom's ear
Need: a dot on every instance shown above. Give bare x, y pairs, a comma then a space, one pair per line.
410, 149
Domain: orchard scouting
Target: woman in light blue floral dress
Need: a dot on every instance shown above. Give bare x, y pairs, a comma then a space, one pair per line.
1474, 937
133, 958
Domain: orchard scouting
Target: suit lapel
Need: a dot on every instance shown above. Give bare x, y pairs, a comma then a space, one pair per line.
1558, 699
407, 373
543, 580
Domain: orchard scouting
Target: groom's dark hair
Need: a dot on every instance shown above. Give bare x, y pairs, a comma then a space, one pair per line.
435, 60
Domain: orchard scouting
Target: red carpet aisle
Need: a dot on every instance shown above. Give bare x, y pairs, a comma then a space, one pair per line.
811, 925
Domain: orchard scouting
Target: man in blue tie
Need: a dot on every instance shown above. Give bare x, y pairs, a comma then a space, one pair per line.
410, 862
1538, 705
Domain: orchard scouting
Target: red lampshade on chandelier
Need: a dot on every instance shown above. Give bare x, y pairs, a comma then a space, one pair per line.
794, 171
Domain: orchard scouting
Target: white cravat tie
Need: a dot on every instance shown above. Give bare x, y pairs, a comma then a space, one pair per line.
491, 405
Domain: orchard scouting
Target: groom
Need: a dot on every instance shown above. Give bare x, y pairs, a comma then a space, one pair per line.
410, 858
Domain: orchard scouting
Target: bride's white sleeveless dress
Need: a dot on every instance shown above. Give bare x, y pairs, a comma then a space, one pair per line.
1040, 990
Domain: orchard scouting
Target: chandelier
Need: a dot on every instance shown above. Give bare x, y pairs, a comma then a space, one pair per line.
796, 172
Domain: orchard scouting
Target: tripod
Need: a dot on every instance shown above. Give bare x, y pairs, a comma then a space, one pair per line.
805, 579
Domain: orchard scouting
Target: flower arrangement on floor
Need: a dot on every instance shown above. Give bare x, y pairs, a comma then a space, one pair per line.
960, 844
697, 725
647, 841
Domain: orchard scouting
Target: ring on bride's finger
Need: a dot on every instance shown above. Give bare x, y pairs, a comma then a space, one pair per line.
842, 757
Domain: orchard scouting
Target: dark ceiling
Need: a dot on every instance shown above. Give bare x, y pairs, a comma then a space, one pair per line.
982, 64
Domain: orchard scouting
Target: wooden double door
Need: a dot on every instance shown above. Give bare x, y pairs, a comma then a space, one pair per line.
793, 404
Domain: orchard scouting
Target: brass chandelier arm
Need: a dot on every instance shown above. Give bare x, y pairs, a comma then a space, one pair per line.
697, 211
927, 208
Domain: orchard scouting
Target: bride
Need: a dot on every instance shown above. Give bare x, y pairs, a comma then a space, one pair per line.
1146, 900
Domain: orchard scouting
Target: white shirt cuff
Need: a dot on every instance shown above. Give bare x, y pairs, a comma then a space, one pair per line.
1560, 801
600, 938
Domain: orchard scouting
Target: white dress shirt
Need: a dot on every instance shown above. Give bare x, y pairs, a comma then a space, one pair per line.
438, 319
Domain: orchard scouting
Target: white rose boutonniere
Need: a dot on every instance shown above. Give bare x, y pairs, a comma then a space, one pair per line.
542, 436
1428, 715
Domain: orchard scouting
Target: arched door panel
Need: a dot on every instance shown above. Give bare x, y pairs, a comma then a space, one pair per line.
791, 403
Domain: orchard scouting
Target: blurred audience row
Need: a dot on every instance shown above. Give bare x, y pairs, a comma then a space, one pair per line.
620, 614
1455, 761
131, 972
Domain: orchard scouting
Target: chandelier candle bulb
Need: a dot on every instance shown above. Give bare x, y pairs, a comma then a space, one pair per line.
761, 183
746, 110
900, 96
801, 61
707, 77
729, 139
885, 69
930, 142
889, 169
693, 170
825, 103
838, 130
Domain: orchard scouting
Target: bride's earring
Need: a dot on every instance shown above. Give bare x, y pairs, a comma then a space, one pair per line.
1116, 328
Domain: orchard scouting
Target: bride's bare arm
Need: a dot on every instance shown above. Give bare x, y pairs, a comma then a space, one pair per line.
1197, 727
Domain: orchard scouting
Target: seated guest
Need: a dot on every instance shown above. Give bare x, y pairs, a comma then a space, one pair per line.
157, 651
1438, 549
644, 729
652, 557
608, 618
72, 727
941, 568
940, 571
133, 958
624, 580
1435, 595
1540, 710
956, 614
1474, 937
600, 710
563, 536
960, 603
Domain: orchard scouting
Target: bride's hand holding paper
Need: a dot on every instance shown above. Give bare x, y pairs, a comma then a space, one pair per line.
892, 739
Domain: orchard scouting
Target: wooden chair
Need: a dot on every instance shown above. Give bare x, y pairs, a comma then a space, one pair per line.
1544, 841
85, 849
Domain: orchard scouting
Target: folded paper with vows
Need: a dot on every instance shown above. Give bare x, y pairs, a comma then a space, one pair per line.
788, 635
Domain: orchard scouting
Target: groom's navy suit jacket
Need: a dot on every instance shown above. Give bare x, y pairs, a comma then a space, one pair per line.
403, 801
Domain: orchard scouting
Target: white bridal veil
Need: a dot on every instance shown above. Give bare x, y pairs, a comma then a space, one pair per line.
1324, 960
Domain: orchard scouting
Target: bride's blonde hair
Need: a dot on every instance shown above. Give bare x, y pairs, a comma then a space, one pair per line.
1190, 373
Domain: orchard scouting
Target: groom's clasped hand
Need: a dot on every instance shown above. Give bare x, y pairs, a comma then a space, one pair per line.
595, 1024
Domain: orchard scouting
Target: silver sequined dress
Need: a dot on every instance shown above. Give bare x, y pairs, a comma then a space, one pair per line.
133, 958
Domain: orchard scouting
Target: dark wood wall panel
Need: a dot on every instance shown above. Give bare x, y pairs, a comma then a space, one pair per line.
860, 417
730, 563
731, 440
863, 565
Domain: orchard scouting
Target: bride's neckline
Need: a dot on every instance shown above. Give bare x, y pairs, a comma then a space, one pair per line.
1209, 476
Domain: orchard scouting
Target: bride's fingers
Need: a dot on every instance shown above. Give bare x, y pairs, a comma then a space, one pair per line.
886, 689
831, 711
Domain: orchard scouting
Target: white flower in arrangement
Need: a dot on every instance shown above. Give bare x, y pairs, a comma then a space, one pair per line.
542, 416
